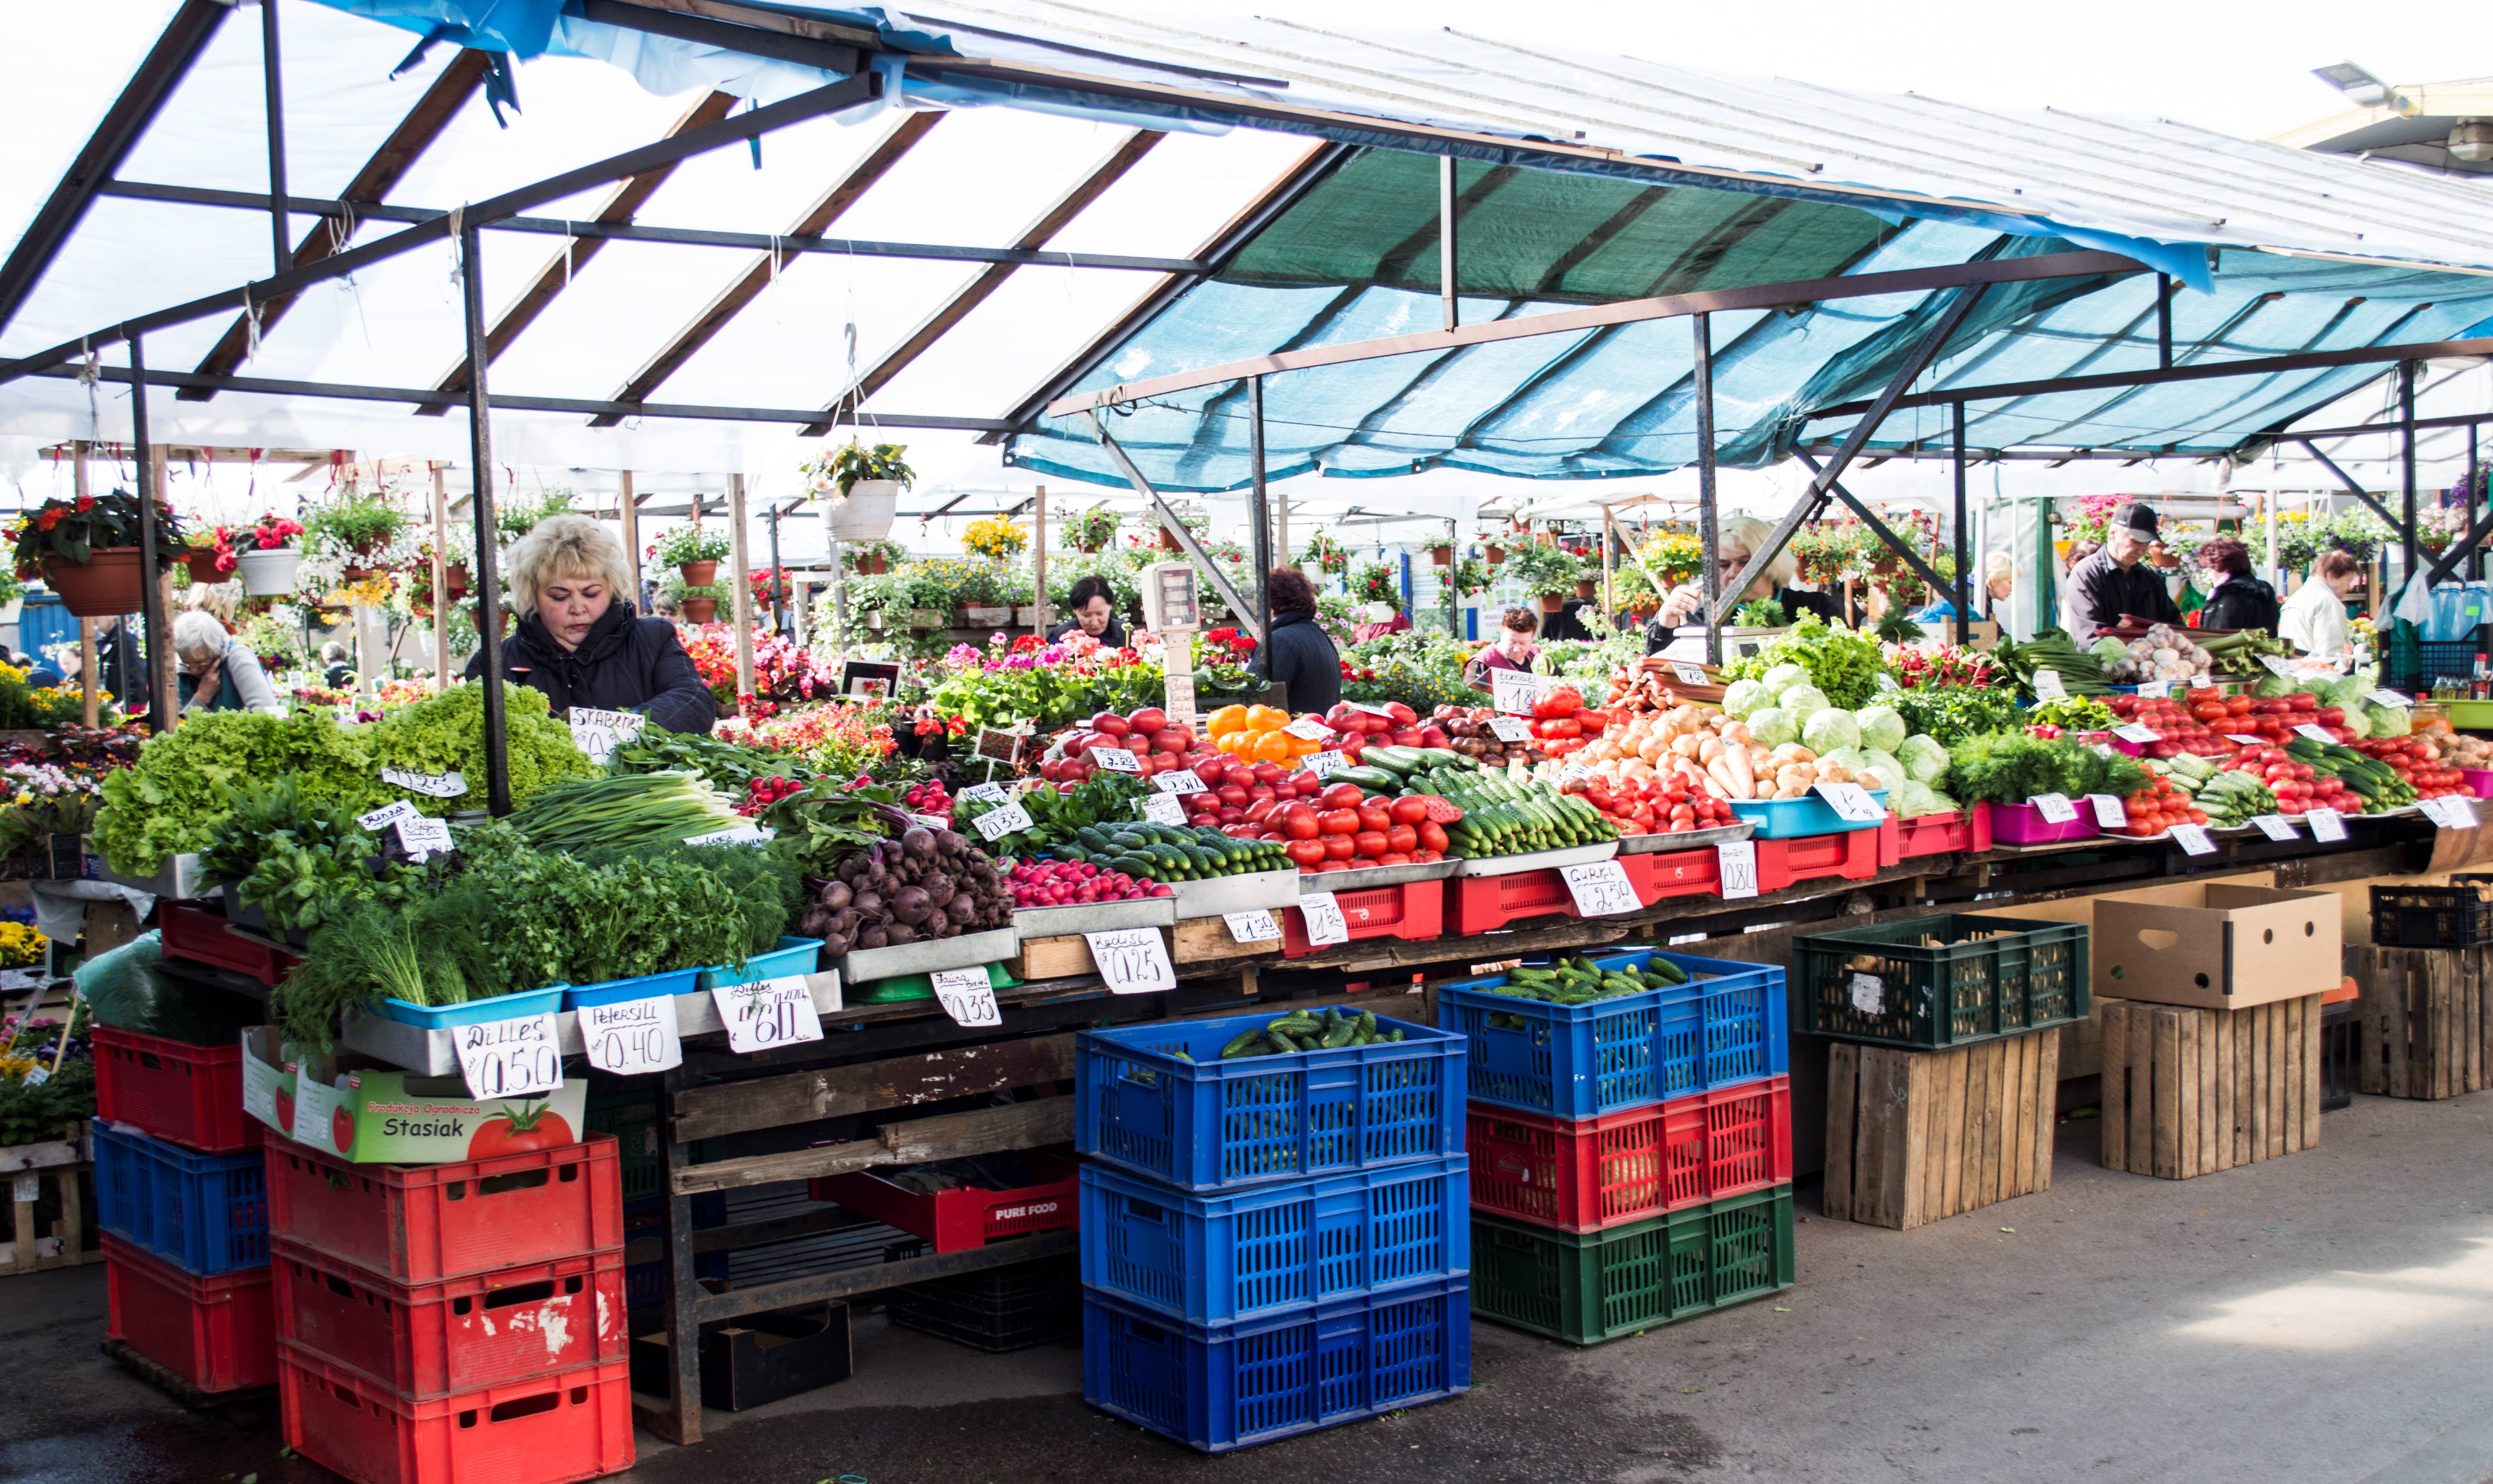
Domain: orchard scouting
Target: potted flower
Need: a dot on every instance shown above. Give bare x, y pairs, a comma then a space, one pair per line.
698, 602
87, 550
356, 522
1496, 554
1329, 555
1588, 575
209, 552
1469, 577
1546, 572
995, 538
693, 551
265, 555
859, 486
1090, 531
1442, 552
875, 558
1377, 583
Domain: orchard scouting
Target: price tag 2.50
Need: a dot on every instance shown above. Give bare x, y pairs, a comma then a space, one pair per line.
510, 1058
2327, 825
633, 1037
968, 997
2193, 839
1256, 926
1115, 760
1601, 889
1850, 801
996, 823
1324, 918
1737, 862
2056, 808
1512, 692
1133, 960
768, 1013
2110, 814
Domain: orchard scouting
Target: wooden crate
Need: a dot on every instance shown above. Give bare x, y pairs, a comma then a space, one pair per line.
2189, 1091
1060, 957
2423, 1020
1913, 1137
63, 1164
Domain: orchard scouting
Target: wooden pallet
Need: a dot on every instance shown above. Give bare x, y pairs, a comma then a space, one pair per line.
1913, 1137
64, 1163
2423, 1020
2189, 1092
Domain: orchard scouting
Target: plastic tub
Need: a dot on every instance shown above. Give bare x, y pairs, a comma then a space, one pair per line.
500, 1006
2023, 824
1782, 818
615, 991
793, 956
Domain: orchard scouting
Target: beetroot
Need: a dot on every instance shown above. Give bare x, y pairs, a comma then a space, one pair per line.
837, 943
900, 933
873, 935
836, 894
910, 904
919, 844
869, 904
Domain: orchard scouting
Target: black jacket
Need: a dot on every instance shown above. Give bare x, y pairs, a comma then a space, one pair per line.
2100, 590
1659, 636
2242, 601
625, 664
1301, 656
1113, 637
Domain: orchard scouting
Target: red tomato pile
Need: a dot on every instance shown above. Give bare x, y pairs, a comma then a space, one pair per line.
1340, 829
1065, 882
1236, 786
2159, 807
1561, 722
2202, 724
1158, 745
2298, 787
2418, 761
1656, 805
1354, 727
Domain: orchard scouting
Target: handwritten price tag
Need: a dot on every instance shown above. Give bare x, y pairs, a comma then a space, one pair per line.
2314, 732
928, 822
1513, 729
2193, 839
1514, 691
1308, 729
2109, 812
598, 733
1163, 808
968, 997
510, 1058
1601, 889
1115, 760
1256, 926
1180, 780
1572, 771
987, 792
1689, 675
1737, 860
2276, 826
2154, 689
1869, 994
2454, 811
1324, 764
2245, 739
433, 785
996, 823
388, 814
1850, 801
1133, 960
744, 835
1324, 919
768, 1013
633, 1037
2048, 686
2135, 733
423, 838
2325, 824
2057, 809
2276, 666
2392, 698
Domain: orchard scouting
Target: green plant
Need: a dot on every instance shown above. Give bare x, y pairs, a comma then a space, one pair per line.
1544, 571
520, 514
946, 582
1842, 664
355, 520
1469, 575
856, 460
10, 589
2012, 767
1092, 531
73, 530
298, 859
446, 734
685, 545
33, 1112
1765, 613
861, 554
1377, 583
1329, 556
674, 587
174, 797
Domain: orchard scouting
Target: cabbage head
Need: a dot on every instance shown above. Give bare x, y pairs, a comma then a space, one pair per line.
1924, 759
2386, 720
1829, 730
1911, 799
1884, 765
2358, 724
2347, 690
2270, 687
1772, 726
1743, 697
1880, 727
1785, 676
2109, 649
1802, 700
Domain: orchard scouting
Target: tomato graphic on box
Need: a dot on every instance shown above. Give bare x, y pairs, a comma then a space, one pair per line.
285, 1111
342, 1130
517, 1130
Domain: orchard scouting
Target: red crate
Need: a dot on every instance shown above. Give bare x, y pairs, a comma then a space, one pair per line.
419, 1223
550, 1430
1485, 903
1850, 853
1935, 834
172, 1090
960, 1220
1665, 873
1415, 912
198, 934
430, 1339
217, 1332
1585, 1174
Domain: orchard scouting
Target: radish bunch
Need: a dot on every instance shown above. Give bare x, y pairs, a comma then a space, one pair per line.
1071, 883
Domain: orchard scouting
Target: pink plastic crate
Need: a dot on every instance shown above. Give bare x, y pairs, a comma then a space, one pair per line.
2023, 824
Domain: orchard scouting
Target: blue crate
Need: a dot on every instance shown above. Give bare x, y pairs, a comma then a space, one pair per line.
204, 1213
1223, 1386
1783, 819
1208, 1125
1726, 1025
1220, 1258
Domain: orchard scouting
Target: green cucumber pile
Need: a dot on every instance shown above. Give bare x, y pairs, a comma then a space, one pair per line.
1171, 852
2229, 798
1303, 1030
1502, 817
2379, 784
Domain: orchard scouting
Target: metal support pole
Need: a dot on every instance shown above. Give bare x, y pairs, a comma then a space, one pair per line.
90, 697
1259, 549
741, 567
1038, 563
161, 704
1447, 301
1194, 549
480, 504
272, 77
2475, 554
2407, 469
1704, 327
627, 503
441, 598
2163, 322
1964, 548
778, 580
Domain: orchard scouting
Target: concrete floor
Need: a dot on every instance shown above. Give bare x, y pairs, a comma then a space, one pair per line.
2323, 1317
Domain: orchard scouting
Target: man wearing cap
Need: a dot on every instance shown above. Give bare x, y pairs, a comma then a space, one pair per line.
2115, 581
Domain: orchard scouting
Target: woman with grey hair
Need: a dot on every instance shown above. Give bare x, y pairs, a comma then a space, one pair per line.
217, 672
1735, 540
577, 640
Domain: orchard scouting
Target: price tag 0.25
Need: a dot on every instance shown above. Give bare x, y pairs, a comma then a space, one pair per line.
1601, 889
766, 1014
968, 997
1133, 960
1324, 919
510, 1058
633, 1036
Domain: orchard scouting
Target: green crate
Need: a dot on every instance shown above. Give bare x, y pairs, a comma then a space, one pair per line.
1938, 982
633, 1123
1591, 1287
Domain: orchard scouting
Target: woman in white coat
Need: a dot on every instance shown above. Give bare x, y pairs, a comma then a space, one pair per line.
2314, 618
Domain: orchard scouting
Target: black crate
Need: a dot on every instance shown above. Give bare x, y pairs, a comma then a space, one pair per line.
2454, 916
999, 1309
2415, 662
2337, 1053
1931, 983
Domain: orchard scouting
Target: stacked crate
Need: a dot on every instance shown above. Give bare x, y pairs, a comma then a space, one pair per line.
1632, 1157
1270, 1244
183, 1206
440, 1322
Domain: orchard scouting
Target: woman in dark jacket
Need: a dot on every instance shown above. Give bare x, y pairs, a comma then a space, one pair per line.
2239, 599
1300, 655
1737, 538
577, 639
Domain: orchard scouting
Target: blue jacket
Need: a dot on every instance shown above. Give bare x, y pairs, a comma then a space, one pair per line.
1301, 656
625, 664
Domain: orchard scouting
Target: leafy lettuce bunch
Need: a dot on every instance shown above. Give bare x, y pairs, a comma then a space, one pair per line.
176, 795
446, 734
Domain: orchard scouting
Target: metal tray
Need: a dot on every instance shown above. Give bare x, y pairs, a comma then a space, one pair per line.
1372, 876
432, 1052
970, 948
1090, 916
1539, 860
178, 877
1269, 890
1685, 839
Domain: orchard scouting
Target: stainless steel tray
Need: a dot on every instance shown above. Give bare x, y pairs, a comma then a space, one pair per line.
1539, 860
1375, 876
434, 1052
993, 946
1092, 916
1685, 839
1267, 890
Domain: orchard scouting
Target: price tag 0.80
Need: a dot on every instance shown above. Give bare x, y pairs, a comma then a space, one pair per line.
996, 823
2276, 826
1256, 926
2108, 811
768, 1013
1511, 729
1512, 692
1324, 919
2056, 808
1115, 760
1601, 889
510, 1058
1133, 960
2327, 825
968, 997
1737, 862
1164, 808
632, 1037
1324, 764
2193, 839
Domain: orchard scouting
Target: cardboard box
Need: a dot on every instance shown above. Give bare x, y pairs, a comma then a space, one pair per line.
2216, 946
390, 1118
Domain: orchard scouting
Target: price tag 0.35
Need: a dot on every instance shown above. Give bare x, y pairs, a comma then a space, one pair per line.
968, 996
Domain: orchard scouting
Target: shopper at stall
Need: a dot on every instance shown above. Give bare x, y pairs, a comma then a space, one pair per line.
1512, 650
2314, 618
216, 672
577, 639
2238, 600
1300, 655
2115, 581
1735, 540
1092, 608
337, 665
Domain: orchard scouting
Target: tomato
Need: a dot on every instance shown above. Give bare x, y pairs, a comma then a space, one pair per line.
1375, 815
1394, 857
1333, 866
1261, 810
2143, 827
1150, 720
517, 1133
1432, 836
1370, 843
1305, 850
1299, 822
1338, 822
1402, 839
1342, 796
1593, 722
1340, 847
1562, 727
342, 1131
1305, 785
1403, 716
1408, 811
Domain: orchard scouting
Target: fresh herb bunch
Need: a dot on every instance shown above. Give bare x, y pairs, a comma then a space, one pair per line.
1951, 713
1845, 665
1099, 798
2011, 767
1765, 613
624, 808
446, 734
730, 768
831, 821
2075, 713
298, 859
175, 796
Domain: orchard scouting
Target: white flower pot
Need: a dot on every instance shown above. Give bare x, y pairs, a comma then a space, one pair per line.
9, 609
268, 573
990, 618
864, 514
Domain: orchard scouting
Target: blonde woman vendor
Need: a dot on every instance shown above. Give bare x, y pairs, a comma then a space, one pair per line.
578, 641
2314, 618
1735, 540
216, 672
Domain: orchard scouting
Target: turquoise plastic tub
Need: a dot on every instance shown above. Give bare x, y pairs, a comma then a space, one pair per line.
1781, 819
614, 991
500, 1006
793, 956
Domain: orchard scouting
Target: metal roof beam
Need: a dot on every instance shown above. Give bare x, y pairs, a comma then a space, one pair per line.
2258, 366
2352, 488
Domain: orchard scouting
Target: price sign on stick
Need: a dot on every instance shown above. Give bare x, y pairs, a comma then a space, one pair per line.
1256, 926
1324, 919
2048, 686
1514, 691
1513, 729
2057, 809
2327, 825
968, 997
2193, 839
1601, 889
768, 1013
1133, 960
598, 733
1164, 808
1737, 860
1115, 760
2109, 814
1180, 780
996, 823
2276, 826
633, 1037
1324, 764
510, 1058
1850, 801
423, 838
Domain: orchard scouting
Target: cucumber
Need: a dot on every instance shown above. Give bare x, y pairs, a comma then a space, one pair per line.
1239, 1044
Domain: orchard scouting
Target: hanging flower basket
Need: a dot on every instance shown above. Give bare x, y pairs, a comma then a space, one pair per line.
864, 513
202, 561
1168, 541
1442, 555
699, 610
268, 573
1496, 555
106, 584
455, 577
698, 574
1554, 602
1586, 588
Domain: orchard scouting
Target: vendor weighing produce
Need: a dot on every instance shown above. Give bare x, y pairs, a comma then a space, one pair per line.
2115, 581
